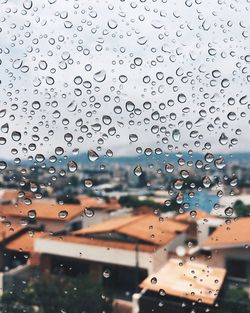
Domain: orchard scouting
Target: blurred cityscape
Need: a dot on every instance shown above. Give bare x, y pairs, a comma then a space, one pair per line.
168, 236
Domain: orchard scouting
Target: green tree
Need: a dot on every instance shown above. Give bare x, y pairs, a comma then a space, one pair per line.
241, 209
57, 295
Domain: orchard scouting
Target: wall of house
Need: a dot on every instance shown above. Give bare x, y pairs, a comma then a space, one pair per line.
97, 218
220, 256
94, 253
159, 258
203, 228
102, 215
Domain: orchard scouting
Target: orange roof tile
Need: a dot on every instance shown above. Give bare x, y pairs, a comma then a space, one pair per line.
7, 231
186, 217
144, 227
99, 204
12, 194
25, 242
44, 210
237, 233
193, 281
8, 194
108, 225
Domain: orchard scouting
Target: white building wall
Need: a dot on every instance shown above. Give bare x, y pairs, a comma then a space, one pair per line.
219, 256
94, 253
203, 228
178, 241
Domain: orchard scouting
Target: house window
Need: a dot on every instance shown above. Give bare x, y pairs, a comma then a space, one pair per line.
237, 269
76, 225
211, 230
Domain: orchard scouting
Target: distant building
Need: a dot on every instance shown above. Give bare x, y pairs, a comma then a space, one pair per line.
98, 210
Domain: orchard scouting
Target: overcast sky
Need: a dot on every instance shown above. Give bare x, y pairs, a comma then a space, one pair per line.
81, 59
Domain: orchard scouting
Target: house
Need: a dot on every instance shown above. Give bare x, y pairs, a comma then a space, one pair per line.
119, 252
18, 260
201, 224
228, 247
8, 232
177, 285
45, 214
8, 196
100, 209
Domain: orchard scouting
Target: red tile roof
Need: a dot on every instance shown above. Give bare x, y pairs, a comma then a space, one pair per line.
99, 203
44, 209
193, 218
149, 228
8, 230
237, 233
25, 242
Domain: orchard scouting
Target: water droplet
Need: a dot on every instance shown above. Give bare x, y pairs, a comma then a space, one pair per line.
100, 76
130, 106
88, 183
106, 273
106, 119
63, 214
176, 135
5, 128
133, 137
193, 214
223, 139
169, 168
36, 105
88, 212
3, 165
112, 24
138, 170
153, 280
92, 155
182, 98
72, 166
32, 214
16, 136
229, 211
206, 181
2, 113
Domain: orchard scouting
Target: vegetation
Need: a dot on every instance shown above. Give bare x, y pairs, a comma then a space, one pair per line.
241, 209
236, 294
134, 202
57, 295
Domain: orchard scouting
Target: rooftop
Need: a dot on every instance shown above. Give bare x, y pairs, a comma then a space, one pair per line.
8, 194
189, 217
237, 233
25, 242
193, 281
44, 209
8, 230
149, 228
99, 203
108, 244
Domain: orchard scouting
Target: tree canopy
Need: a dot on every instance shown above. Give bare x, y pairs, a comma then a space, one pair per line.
57, 295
